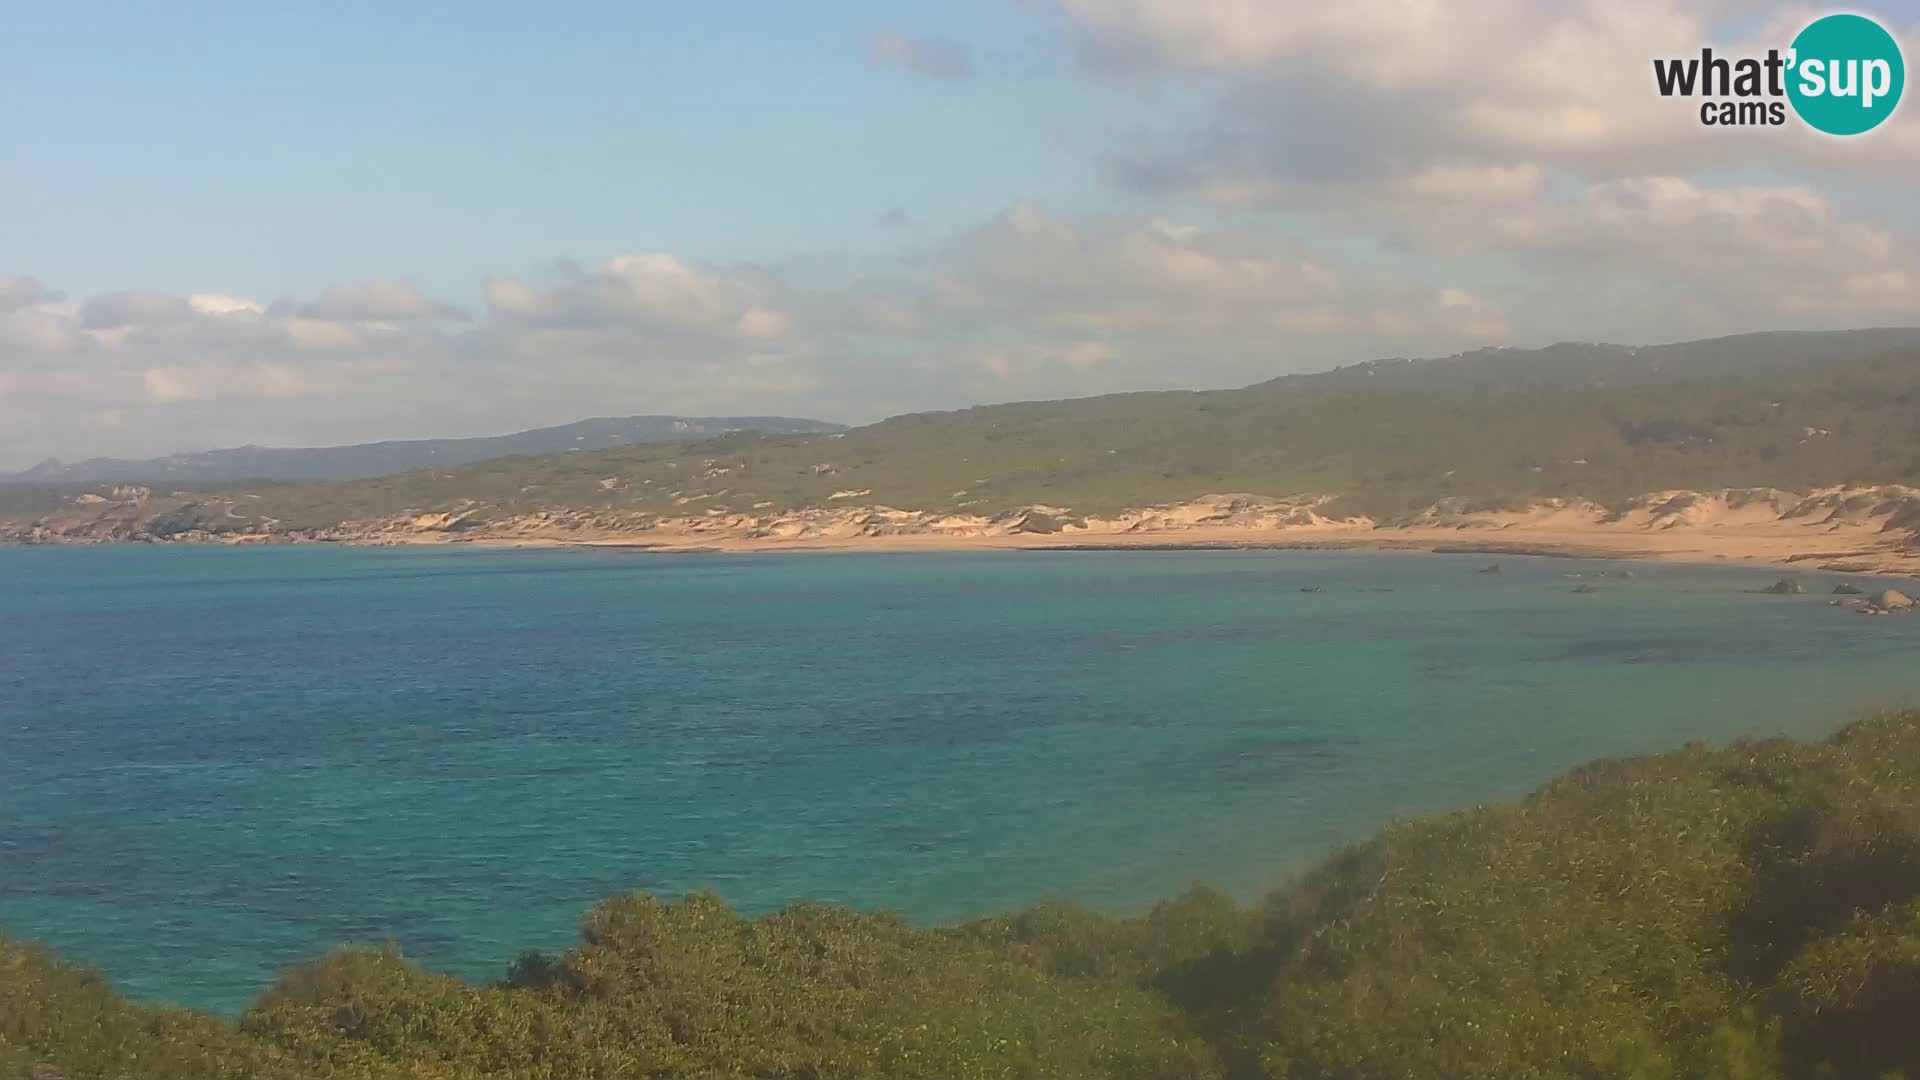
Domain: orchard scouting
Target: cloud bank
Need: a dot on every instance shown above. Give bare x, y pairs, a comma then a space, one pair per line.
1028, 303
1373, 178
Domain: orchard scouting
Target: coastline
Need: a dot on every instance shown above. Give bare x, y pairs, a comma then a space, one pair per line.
1870, 530
1786, 550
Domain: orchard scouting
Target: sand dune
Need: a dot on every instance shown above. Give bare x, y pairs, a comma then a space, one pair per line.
1855, 529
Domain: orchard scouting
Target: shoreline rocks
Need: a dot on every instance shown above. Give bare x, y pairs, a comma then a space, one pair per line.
1888, 602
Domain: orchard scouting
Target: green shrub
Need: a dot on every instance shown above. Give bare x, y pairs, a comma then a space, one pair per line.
1850, 1001
1751, 913
693, 989
57, 1019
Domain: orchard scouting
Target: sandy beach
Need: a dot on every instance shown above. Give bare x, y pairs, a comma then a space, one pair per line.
1678, 527
1845, 529
1749, 546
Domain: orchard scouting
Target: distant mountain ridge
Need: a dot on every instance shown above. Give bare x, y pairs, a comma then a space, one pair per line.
1492, 429
365, 460
1569, 364
1564, 366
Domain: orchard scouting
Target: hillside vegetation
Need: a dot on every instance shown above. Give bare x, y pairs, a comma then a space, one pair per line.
1491, 429
1571, 365
1750, 913
1387, 449
257, 463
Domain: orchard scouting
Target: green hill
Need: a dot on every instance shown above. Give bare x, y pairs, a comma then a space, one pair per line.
1747, 913
1574, 364
1492, 428
1388, 449
262, 463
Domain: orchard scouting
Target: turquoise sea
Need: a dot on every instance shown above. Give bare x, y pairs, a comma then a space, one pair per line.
215, 762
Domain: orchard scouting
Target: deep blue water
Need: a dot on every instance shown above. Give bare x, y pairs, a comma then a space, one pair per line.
215, 762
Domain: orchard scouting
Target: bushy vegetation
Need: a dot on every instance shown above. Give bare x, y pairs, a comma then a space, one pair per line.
693, 989
25, 500
1388, 440
1751, 913
57, 1020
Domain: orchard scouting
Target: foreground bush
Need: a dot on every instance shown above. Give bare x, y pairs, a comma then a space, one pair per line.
693, 989
59, 1020
1750, 914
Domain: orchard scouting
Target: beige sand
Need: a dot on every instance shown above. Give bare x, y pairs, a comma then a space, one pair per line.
1853, 529
1834, 529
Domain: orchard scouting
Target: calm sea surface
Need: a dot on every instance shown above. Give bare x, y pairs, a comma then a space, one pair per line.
217, 762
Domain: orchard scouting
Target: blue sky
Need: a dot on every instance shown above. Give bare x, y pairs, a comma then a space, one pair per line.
223, 223
263, 149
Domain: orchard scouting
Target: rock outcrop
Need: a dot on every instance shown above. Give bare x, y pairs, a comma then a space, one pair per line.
1888, 601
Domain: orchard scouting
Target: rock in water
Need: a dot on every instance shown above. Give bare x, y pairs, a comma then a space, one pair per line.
1891, 600
1583, 589
1785, 587
1848, 588
1493, 569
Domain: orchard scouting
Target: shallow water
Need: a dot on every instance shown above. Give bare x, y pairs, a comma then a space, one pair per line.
216, 762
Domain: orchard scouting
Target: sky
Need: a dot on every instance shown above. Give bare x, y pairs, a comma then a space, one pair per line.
224, 224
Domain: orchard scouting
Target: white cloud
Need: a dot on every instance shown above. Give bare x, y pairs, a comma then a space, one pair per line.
1512, 76
1026, 304
38, 331
1524, 146
230, 382
168, 384
134, 309
1029, 303
1748, 256
759, 322
18, 291
320, 333
1320, 99
1087, 355
1159, 286
383, 301
218, 304
651, 291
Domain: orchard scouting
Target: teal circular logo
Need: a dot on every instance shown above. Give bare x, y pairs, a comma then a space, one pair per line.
1846, 74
